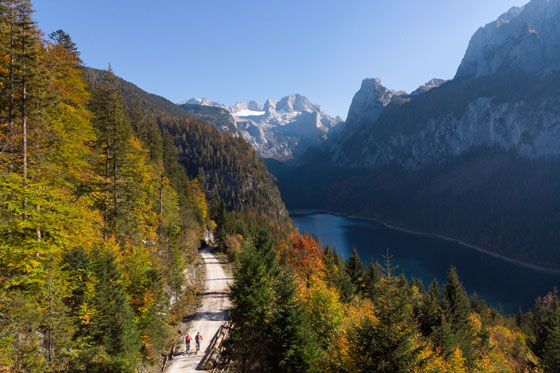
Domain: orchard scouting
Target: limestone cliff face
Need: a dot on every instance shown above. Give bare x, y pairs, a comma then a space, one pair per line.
506, 94
526, 38
531, 130
368, 102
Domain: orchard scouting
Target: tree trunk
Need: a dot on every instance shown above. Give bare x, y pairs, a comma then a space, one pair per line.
107, 167
9, 144
161, 196
23, 112
115, 167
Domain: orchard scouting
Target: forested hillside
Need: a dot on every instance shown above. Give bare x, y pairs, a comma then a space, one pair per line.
299, 307
226, 166
218, 117
98, 220
486, 196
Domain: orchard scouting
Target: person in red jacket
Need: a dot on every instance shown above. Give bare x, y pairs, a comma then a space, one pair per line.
187, 343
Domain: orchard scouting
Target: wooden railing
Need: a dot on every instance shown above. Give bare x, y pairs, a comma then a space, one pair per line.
169, 356
212, 358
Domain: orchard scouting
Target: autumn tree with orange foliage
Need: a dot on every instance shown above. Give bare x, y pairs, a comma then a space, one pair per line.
303, 254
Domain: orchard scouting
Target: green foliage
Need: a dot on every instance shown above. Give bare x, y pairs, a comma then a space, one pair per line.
269, 331
355, 269
456, 307
431, 313
386, 343
227, 166
98, 218
336, 274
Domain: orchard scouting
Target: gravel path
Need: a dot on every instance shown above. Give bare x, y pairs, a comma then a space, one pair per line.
209, 317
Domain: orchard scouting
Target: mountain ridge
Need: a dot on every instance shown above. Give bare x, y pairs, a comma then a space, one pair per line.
280, 129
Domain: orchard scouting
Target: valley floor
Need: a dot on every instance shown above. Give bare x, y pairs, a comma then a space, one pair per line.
210, 316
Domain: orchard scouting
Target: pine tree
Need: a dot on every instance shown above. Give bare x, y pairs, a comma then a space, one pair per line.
113, 135
355, 269
61, 38
457, 311
113, 326
372, 276
386, 343
293, 343
551, 346
252, 296
430, 313
336, 274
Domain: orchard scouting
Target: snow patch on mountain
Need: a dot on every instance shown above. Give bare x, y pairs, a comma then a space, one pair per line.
202, 101
277, 129
283, 129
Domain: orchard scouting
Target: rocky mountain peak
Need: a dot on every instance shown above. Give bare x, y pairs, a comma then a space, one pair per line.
202, 101
255, 106
270, 106
431, 84
525, 38
369, 101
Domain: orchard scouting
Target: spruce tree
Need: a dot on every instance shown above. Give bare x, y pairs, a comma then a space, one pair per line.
457, 311
355, 269
430, 313
386, 343
113, 326
372, 276
336, 274
113, 133
551, 346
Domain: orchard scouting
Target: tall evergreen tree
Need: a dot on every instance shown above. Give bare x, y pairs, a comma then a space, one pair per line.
336, 274
457, 311
355, 269
112, 326
551, 345
113, 133
431, 314
387, 343
372, 276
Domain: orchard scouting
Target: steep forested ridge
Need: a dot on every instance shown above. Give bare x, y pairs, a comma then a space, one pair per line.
227, 166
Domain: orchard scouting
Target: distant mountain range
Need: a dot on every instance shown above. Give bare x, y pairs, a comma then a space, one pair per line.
475, 157
281, 129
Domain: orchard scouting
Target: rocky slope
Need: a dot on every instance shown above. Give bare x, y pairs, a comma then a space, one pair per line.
283, 129
278, 129
219, 117
526, 38
512, 110
476, 157
202, 101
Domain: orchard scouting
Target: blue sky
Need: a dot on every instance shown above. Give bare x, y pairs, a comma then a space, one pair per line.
237, 50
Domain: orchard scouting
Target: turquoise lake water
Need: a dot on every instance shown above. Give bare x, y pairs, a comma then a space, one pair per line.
499, 282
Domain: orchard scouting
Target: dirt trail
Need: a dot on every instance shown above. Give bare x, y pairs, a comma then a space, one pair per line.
209, 317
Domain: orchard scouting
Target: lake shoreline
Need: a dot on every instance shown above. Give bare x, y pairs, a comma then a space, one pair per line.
534, 267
